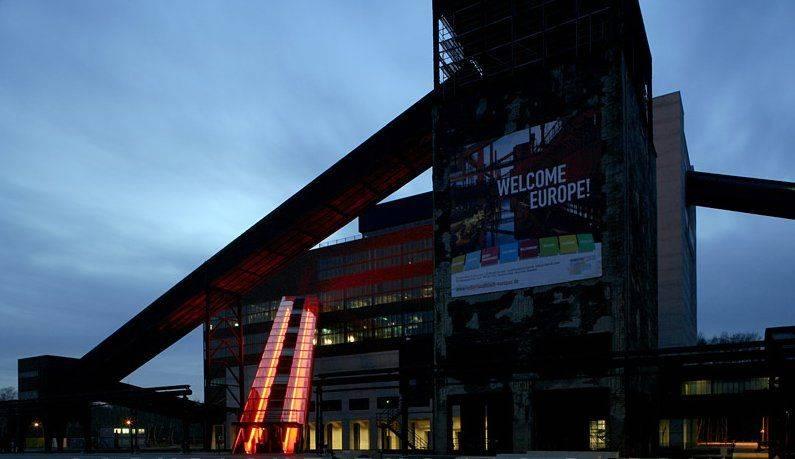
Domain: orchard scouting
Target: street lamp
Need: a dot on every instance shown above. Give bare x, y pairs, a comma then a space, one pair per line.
129, 422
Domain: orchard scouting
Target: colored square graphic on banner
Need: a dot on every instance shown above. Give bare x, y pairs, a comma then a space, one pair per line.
472, 261
586, 242
509, 252
489, 256
549, 246
568, 243
528, 248
458, 264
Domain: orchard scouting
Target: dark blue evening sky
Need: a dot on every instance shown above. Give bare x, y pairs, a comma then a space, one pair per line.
138, 138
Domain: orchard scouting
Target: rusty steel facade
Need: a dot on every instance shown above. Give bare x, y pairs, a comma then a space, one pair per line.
502, 378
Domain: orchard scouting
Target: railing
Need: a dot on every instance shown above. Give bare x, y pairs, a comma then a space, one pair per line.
341, 240
389, 418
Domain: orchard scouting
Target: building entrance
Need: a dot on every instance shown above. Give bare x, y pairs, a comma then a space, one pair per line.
481, 423
571, 420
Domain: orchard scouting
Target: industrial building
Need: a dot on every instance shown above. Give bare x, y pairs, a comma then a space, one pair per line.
540, 298
376, 296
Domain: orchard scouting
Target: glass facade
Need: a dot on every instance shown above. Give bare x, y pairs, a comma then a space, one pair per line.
378, 327
377, 293
384, 271
373, 290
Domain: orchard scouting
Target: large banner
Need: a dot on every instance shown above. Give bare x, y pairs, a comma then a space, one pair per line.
525, 208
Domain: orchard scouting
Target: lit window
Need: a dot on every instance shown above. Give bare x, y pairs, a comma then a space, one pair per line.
597, 434
665, 433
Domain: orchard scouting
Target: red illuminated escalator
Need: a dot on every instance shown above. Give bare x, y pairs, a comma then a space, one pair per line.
276, 408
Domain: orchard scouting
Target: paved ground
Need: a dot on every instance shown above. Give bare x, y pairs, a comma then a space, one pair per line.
145, 455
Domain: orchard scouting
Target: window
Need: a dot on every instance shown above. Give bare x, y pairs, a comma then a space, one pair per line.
597, 434
388, 326
388, 439
359, 404
701, 387
331, 405
419, 323
422, 433
360, 434
334, 334
334, 435
260, 312
456, 412
310, 436
332, 300
665, 433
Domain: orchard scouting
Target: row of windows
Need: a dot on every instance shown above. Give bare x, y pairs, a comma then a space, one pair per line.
377, 258
260, 312
356, 404
383, 327
724, 386
336, 300
378, 293
359, 437
253, 313
378, 252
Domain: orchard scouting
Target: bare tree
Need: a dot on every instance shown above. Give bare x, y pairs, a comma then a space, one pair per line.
8, 393
729, 338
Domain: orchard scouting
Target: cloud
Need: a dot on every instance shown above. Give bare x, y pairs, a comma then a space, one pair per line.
732, 62
139, 138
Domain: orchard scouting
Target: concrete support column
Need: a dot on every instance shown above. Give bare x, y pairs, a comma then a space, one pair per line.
319, 427
373, 432
21, 428
676, 433
346, 434
60, 435
441, 423
522, 392
47, 431
85, 423
185, 434
404, 423
616, 440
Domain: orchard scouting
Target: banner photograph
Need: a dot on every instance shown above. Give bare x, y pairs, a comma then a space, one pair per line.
526, 208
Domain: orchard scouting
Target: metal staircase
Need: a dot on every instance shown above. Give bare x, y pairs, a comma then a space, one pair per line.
389, 419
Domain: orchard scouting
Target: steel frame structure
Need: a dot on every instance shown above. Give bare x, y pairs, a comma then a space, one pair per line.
223, 334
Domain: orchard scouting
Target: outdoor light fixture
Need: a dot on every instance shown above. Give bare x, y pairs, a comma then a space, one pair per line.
128, 422
36, 424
